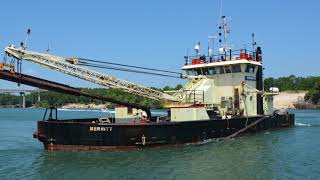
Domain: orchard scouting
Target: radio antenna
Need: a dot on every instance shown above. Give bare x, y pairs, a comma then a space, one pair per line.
221, 3
49, 47
254, 43
26, 41
211, 44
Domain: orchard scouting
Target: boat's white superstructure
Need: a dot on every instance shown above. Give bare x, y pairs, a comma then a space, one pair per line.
229, 87
226, 84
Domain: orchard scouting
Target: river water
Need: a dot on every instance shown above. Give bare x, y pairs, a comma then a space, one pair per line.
292, 153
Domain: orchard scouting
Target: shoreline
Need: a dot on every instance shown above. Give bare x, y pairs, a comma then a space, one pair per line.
285, 99
288, 99
84, 106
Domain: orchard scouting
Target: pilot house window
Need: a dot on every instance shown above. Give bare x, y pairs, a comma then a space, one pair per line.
216, 70
212, 71
250, 68
236, 68
205, 71
220, 70
227, 69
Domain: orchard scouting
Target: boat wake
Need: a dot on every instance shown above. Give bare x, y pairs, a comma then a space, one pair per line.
207, 141
107, 111
302, 124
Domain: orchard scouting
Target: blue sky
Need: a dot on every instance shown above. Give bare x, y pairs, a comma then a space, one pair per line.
158, 33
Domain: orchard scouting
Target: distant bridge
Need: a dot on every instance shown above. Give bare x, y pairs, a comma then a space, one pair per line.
23, 93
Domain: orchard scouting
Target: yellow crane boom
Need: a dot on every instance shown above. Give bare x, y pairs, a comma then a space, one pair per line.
69, 66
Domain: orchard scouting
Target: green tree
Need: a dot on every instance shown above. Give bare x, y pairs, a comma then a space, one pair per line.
42, 104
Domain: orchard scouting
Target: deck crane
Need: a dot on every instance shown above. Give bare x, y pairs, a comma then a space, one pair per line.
69, 66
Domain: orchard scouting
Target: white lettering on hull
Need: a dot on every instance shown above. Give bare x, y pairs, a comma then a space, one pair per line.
100, 129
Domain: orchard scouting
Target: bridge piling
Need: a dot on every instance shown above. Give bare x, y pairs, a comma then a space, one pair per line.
39, 98
23, 100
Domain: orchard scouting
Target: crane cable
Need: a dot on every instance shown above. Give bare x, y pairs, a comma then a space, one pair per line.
124, 69
125, 65
98, 64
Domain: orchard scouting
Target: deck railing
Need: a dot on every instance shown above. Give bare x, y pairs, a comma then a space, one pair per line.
193, 96
226, 56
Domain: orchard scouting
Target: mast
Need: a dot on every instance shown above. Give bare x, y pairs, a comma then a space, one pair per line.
224, 32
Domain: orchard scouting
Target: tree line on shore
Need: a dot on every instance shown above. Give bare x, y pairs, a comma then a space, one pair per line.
56, 99
290, 83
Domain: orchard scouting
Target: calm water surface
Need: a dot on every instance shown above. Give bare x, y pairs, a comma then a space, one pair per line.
284, 154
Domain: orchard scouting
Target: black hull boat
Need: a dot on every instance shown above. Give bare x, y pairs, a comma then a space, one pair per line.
89, 134
223, 97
